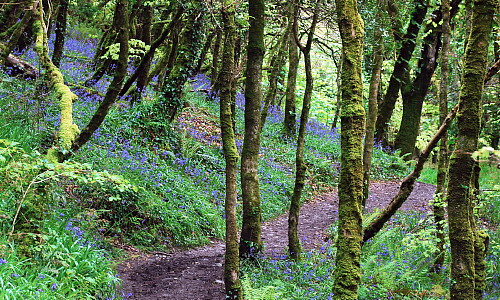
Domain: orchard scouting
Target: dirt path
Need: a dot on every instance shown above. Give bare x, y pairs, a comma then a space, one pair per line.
197, 273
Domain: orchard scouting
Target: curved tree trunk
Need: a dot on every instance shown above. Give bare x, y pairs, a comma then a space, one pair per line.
460, 185
250, 241
400, 70
294, 248
120, 21
347, 274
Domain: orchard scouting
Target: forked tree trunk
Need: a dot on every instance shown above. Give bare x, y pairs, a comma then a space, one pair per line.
400, 70
227, 92
460, 185
347, 274
250, 241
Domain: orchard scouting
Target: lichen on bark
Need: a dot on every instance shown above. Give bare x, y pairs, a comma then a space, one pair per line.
347, 274
68, 130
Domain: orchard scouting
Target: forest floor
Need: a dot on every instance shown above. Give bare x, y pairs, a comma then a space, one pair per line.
198, 273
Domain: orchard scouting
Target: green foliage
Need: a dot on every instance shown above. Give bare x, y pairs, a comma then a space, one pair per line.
137, 49
43, 254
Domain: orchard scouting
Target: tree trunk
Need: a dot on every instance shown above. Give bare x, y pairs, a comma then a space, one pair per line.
347, 272
67, 128
400, 71
461, 227
438, 205
250, 242
121, 23
62, 15
371, 118
171, 101
227, 92
18, 31
294, 248
414, 92
291, 84
274, 74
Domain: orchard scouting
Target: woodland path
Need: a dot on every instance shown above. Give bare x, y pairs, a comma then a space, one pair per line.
196, 274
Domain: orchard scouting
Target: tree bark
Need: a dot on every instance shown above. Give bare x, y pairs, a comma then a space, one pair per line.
414, 92
289, 127
461, 225
121, 23
401, 69
274, 74
372, 102
227, 93
294, 248
61, 20
438, 205
347, 272
68, 130
171, 101
250, 241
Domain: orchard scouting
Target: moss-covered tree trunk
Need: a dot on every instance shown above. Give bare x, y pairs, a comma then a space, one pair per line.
61, 20
190, 43
120, 22
294, 248
401, 69
347, 272
250, 242
291, 84
460, 185
227, 92
371, 116
438, 204
68, 130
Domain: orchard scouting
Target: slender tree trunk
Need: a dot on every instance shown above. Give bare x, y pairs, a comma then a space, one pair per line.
294, 248
121, 23
18, 31
291, 84
438, 205
204, 51
401, 69
371, 118
61, 19
227, 92
347, 272
171, 101
250, 241
274, 74
338, 82
141, 73
460, 185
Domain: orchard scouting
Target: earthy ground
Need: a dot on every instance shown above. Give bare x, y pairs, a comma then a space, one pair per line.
196, 274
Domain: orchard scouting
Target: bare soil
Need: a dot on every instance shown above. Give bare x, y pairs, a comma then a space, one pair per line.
196, 274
